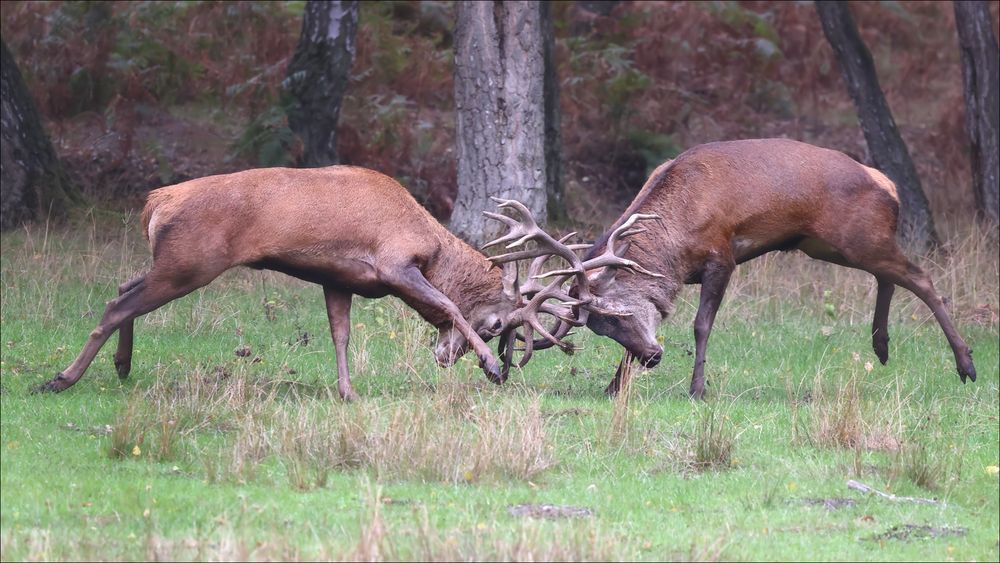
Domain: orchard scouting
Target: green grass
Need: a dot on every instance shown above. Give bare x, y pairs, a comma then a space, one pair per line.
205, 455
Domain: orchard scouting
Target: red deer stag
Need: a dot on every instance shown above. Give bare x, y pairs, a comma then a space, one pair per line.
721, 204
348, 229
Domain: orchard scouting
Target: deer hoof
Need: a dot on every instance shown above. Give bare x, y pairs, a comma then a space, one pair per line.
881, 348
492, 370
968, 371
55, 385
123, 367
697, 391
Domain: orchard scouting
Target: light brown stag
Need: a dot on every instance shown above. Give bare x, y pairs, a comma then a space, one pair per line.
348, 229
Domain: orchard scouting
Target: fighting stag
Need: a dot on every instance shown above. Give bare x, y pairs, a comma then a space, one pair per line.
348, 229
572, 308
721, 204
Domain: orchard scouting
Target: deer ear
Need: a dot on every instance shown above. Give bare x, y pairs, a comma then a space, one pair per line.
623, 248
601, 280
510, 284
606, 277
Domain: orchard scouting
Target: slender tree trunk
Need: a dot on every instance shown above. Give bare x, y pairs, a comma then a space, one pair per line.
499, 97
317, 77
885, 144
556, 207
34, 181
981, 77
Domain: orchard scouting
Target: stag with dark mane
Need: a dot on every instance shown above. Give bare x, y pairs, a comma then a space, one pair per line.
722, 204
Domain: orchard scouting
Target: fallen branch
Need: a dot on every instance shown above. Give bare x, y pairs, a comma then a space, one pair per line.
852, 484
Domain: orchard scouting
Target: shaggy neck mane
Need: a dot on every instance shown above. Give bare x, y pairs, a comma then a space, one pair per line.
465, 275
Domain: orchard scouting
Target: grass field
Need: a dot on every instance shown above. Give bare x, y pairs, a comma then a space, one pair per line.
204, 454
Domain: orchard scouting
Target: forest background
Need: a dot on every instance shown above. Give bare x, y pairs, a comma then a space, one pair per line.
228, 442
139, 95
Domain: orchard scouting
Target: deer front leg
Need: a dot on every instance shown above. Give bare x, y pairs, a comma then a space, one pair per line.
338, 309
714, 279
410, 284
123, 355
910, 276
620, 374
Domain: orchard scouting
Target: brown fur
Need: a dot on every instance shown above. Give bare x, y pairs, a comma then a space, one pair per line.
349, 229
721, 204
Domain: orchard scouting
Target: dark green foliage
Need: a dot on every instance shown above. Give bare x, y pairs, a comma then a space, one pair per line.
654, 147
267, 140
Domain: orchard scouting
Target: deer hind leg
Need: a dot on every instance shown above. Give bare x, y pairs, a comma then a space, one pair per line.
880, 322
152, 292
904, 273
884, 260
434, 306
820, 250
338, 309
714, 280
123, 355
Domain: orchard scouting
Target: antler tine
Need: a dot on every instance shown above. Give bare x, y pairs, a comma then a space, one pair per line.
531, 285
529, 348
520, 231
519, 255
562, 312
525, 229
528, 315
625, 229
610, 259
511, 223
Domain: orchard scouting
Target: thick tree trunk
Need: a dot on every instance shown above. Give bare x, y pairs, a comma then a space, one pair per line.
499, 97
34, 181
556, 207
317, 77
981, 76
885, 144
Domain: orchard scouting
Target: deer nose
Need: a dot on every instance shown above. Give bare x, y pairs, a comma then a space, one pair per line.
651, 359
446, 354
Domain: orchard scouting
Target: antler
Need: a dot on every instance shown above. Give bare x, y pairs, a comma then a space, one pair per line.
609, 258
571, 311
527, 229
537, 295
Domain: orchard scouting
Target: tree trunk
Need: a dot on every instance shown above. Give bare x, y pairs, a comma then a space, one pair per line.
34, 181
317, 77
981, 77
556, 207
885, 144
499, 97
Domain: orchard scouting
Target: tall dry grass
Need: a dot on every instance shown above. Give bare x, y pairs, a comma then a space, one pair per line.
449, 436
965, 272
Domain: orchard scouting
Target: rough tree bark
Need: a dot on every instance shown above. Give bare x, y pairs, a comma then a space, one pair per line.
34, 181
499, 98
317, 77
981, 77
886, 146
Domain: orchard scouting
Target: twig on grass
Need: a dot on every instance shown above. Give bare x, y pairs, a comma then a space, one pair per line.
852, 484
